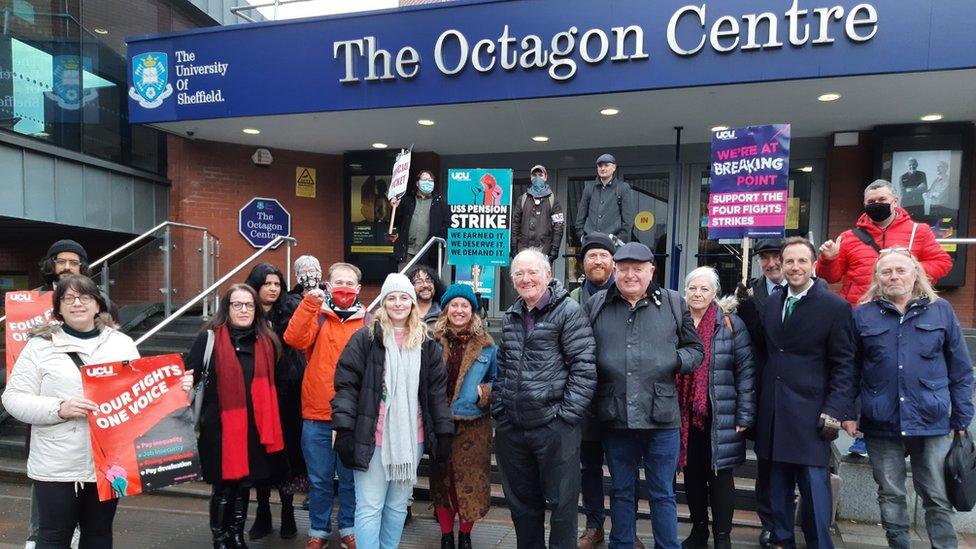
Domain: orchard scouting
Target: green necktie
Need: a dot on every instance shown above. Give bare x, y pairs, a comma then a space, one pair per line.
790, 305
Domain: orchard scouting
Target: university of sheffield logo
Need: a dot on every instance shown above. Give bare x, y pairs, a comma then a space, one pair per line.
150, 72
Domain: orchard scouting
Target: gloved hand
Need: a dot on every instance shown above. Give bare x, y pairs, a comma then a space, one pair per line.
742, 292
829, 427
445, 445
345, 447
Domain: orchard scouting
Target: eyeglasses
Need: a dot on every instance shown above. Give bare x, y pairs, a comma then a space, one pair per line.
422, 280
61, 262
85, 299
896, 250
242, 306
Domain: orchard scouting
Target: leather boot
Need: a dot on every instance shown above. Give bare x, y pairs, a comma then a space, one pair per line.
288, 527
220, 515
723, 541
239, 519
262, 516
698, 538
464, 541
447, 541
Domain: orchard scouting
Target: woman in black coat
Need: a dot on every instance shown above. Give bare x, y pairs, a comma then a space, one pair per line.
279, 305
717, 404
241, 441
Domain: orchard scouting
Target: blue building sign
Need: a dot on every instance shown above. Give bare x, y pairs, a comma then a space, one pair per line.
458, 52
262, 219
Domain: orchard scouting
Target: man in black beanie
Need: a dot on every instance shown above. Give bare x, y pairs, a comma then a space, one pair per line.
64, 257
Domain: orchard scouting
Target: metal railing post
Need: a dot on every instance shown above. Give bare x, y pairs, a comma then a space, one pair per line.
106, 282
205, 261
440, 260
288, 266
167, 274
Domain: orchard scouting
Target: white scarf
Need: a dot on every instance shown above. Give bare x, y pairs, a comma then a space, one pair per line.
401, 384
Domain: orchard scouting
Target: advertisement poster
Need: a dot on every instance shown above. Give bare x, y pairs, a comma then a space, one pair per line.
25, 309
481, 279
369, 214
480, 202
928, 184
749, 182
142, 433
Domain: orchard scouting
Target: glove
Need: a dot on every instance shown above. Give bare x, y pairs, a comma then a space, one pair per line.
829, 427
742, 292
445, 445
345, 447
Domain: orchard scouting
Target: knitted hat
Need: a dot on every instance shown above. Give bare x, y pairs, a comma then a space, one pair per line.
67, 246
459, 290
396, 282
597, 240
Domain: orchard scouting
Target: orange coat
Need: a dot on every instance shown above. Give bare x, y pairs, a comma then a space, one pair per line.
321, 335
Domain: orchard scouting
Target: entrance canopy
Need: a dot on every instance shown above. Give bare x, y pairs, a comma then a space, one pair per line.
494, 74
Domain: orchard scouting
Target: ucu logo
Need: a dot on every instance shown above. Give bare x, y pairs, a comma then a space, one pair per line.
24, 298
461, 176
725, 134
99, 371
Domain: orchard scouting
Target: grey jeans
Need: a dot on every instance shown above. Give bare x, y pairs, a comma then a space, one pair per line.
928, 459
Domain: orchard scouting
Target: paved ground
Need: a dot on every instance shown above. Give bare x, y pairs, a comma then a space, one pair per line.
180, 520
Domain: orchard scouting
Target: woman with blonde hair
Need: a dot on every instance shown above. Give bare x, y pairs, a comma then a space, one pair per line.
390, 405
461, 486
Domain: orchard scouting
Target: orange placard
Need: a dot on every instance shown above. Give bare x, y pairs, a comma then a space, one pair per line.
25, 310
142, 434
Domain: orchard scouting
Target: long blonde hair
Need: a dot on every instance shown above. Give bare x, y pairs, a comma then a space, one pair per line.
416, 332
922, 288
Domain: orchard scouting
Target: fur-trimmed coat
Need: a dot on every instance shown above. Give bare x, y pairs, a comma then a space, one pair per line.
470, 463
43, 377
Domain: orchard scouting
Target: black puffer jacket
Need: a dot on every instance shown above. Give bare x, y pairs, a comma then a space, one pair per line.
731, 383
548, 373
359, 387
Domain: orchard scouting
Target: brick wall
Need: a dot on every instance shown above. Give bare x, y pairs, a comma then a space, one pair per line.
850, 170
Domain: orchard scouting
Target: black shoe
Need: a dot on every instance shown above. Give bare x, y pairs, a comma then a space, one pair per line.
262, 522
723, 541
288, 527
698, 538
464, 541
765, 539
447, 541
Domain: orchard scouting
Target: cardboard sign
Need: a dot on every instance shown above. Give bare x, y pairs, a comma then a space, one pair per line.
749, 182
25, 309
479, 231
401, 176
142, 433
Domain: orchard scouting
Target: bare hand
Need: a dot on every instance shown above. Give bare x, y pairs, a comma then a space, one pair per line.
830, 249
739, 430
186, 382
395, 201
850, 426
73, 408
317, 293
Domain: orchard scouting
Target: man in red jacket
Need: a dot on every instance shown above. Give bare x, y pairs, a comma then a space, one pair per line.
884, 224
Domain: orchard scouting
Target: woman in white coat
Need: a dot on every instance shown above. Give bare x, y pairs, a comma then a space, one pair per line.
44, 390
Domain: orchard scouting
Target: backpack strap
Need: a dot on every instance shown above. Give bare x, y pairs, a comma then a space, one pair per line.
864, 237
912, 239
76, 359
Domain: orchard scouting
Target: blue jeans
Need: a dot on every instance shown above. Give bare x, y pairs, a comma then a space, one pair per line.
381, 506
659, 449
928, 459
323, 463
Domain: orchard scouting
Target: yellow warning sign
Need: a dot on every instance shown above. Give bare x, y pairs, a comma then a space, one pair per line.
305, 182
644, 221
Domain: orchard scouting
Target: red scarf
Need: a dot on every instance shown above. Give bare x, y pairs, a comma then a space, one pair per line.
233, 403
693, 388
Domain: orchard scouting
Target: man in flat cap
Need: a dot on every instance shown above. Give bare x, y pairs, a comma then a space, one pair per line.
644, 336
538, 218
608, 205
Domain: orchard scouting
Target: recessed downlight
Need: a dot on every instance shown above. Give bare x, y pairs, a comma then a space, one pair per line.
827, 97
934, 117
97, 30
610, 111
807, 169
251, 131
380, 145
425, 122
719, 128
540, 138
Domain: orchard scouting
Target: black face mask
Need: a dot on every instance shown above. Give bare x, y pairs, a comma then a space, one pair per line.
878, 211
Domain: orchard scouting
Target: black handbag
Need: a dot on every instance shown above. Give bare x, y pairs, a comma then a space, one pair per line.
960, 473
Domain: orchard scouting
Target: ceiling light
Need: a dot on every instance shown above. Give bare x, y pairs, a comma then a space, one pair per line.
425, 122
540, 138
829, 97
807, 169
380, 145
719, 128
609, 111
251, 131
356, 166
934, 117
100, 31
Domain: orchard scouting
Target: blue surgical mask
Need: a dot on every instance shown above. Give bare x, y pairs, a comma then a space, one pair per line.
538, 183
426, 186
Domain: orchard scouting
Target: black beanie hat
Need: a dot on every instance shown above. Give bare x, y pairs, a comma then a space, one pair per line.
67, 246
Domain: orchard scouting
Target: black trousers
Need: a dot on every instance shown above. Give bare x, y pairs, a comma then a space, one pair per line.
704, 486
61, 508
541, 471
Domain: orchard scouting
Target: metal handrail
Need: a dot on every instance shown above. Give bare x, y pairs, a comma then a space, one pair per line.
132, 242
440, 259
956, 240
179, 312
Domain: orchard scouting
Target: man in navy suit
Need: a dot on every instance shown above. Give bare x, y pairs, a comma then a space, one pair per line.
807, 389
